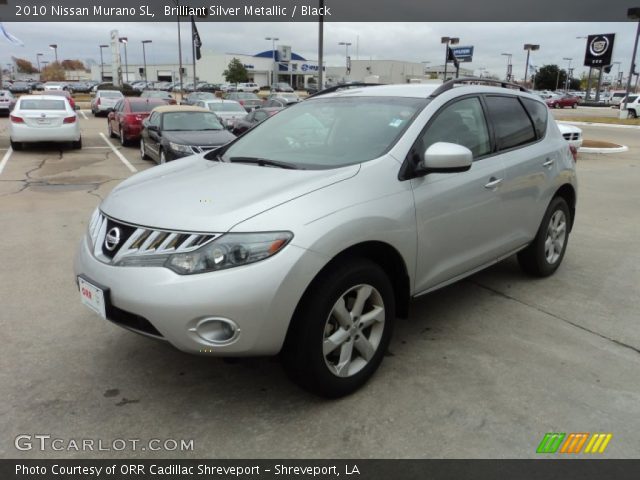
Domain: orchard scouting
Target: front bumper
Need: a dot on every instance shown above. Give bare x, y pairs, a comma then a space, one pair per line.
259, 298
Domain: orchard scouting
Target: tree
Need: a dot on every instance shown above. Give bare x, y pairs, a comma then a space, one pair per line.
73, 65
547, 78
235, 72
52, 72
24, 66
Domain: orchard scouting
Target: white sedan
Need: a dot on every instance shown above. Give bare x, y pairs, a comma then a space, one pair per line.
43, 118
571, 134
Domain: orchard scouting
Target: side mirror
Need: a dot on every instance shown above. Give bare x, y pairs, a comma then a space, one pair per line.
443, 157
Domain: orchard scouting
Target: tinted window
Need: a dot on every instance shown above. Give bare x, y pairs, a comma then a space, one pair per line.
538, 113
462, 123
42, 105
512, 124
142, 106
154, 119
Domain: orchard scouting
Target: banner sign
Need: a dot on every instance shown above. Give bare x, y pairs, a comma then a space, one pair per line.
463, 54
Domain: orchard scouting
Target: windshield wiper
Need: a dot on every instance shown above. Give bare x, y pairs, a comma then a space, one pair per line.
262, 162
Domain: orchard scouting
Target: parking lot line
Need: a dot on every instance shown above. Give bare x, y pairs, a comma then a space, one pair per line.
5, 159
118, 154
83, 114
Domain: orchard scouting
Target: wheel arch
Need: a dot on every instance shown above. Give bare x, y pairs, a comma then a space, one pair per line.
568, 193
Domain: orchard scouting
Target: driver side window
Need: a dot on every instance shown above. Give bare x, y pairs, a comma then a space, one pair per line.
462, 123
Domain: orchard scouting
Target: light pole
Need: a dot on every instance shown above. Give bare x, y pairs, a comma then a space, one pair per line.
618, 79
528, 47
273, 58
566, 82
144, 58
509, 67
54, 47
102, 62
346, 56
587, 95
447, 41
632, 14
125, 40
38, 55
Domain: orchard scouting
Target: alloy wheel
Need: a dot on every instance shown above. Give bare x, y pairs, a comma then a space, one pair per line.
556, 237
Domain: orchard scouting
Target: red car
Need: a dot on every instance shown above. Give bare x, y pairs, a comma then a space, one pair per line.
125, 120
562, 101
63, 93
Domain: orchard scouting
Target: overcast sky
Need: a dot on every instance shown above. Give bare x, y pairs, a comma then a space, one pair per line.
398, 41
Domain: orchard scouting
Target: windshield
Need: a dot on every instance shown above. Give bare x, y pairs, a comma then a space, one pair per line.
191, 121
42, 105
329, 132
226, 107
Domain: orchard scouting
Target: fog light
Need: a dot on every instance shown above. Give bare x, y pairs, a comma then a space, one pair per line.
217, 330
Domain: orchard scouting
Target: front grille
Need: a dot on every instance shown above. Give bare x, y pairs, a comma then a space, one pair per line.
132, 321
140, 240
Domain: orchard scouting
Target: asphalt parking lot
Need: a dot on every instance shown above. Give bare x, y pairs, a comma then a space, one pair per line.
483, 368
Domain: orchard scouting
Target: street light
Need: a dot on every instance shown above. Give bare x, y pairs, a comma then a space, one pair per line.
632, 14
447, 41
346, 55
38, 55
566, 82
273, 58
125, 40
54, 47
528, 47
144, 58
102, 63
618, 78
509, 67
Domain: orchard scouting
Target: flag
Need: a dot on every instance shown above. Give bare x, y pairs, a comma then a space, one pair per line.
196, 38
10, 38
452, 58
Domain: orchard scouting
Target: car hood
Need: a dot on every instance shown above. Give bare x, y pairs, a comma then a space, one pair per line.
201, 138
198, 195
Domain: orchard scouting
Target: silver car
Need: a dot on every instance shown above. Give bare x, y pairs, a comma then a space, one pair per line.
43, 118
105, 101
228, 111
309, 234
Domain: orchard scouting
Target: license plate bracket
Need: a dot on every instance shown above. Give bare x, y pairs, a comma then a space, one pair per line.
93, 295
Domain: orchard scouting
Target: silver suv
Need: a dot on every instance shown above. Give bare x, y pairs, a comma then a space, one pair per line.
310, 233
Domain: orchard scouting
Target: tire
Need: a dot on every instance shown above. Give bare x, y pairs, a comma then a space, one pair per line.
110, 130
77, 145
308, 356
143, 151
633, 113
16, 146
123, 140
574, 106
544, 255
162, 158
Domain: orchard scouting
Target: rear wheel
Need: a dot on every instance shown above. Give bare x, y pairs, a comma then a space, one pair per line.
16, 145
633, 113
123, 140
544, 255
341, 329
110, 130
574, 105
78, 144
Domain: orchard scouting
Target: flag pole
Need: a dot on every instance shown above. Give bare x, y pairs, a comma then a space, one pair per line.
193, 50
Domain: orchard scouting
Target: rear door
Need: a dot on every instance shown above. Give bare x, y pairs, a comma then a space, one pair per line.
458, 215
520, 126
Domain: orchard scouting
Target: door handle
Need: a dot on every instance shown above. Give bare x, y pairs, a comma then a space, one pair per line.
548, 163
493, 183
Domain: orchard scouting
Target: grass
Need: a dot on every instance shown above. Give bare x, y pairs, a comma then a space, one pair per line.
610, 120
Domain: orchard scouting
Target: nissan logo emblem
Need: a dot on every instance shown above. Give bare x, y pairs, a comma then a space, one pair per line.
112, 239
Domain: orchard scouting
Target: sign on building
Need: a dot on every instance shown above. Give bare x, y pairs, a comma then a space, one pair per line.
599, 50
284, 53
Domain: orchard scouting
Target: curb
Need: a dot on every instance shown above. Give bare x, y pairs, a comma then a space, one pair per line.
622, 148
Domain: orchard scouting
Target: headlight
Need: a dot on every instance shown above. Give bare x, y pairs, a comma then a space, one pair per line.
176, 147
228, 251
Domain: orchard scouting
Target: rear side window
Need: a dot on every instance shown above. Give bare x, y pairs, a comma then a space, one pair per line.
538, 113
512, 124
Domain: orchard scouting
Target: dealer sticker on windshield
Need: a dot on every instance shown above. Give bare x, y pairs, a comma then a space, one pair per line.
92, 297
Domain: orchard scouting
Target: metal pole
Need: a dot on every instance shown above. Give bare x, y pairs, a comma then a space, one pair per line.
144, 61
631, 70
526, 69
193, 52
599, 84
274, 74
446, 57
179, 46
557, 79
126, 64
101, 66
320, 46
588, 94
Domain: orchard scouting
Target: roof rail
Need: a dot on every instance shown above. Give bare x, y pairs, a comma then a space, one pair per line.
476, 81
344, 86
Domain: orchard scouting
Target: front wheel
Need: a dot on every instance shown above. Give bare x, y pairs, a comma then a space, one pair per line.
341, 329
163, 159
143, 150
544, 255
15, 146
